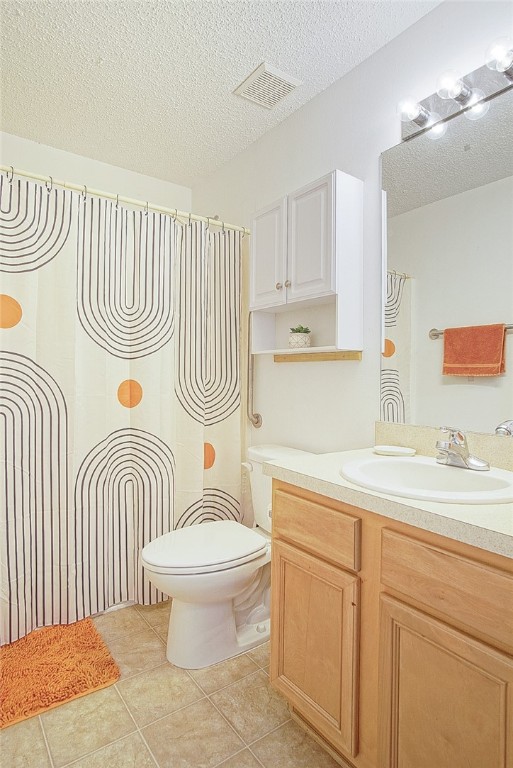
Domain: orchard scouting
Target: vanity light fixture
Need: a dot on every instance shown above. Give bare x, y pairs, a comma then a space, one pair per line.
476, 107
499, 56
409, 110
439, 128
451, 85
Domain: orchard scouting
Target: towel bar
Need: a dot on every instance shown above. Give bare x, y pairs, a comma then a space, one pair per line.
435, 333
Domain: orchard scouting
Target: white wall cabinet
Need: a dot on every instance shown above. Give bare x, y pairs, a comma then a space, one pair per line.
306, 266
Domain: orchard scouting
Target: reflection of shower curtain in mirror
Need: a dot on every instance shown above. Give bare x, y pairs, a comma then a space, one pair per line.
396, 363
119, 401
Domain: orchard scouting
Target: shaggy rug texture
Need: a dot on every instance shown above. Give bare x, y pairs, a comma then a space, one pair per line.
51, 666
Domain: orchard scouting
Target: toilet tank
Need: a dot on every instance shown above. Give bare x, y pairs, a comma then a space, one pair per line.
261, 485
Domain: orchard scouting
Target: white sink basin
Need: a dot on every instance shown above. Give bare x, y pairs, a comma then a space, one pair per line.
420, 477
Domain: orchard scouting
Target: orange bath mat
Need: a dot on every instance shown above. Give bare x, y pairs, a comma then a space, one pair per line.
51, 666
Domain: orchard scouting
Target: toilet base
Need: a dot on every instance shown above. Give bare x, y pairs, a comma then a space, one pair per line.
204, 634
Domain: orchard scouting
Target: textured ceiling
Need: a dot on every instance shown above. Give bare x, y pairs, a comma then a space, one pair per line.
472, 153
147, 84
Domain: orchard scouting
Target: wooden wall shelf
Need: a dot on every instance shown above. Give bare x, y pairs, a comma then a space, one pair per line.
316, 357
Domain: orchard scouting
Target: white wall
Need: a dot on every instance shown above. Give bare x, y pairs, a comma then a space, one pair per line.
462, 269
333, 405
48, 161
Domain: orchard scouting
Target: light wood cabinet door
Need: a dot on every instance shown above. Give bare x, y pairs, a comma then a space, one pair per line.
446, 699
311, 240
314, 643
269, 256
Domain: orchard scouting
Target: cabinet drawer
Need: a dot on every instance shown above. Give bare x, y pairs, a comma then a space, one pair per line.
332, 535
465, 590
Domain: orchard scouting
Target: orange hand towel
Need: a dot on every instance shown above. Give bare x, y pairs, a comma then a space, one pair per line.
476, 350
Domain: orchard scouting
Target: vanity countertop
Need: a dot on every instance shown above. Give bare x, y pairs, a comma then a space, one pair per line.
488, 526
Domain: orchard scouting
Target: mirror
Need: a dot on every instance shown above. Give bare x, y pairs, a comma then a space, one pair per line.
449, 206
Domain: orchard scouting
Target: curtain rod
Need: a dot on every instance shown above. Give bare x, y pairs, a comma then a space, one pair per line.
8, 169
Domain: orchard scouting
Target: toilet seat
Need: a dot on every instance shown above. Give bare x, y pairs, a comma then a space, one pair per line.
204, 548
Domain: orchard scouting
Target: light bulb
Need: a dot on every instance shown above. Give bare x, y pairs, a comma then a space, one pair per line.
499, 56
438, 130
450, 85
481, 107
409, 110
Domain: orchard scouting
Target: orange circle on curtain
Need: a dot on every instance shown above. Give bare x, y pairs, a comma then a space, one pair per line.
209, 455
130, 393
10, 311
389, 348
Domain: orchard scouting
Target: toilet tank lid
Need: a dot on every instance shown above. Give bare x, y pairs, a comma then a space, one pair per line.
272, 452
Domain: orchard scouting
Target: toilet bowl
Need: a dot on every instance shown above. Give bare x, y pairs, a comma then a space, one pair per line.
218, 574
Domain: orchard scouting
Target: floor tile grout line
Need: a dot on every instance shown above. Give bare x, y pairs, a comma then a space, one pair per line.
255, 756
139, 731
110, 743
276, 728
230, 724
52, 764
230, 757
223, 687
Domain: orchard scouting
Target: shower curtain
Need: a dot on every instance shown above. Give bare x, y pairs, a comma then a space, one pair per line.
119, 396
396, 365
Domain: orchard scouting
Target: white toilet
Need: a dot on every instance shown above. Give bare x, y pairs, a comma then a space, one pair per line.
219, 577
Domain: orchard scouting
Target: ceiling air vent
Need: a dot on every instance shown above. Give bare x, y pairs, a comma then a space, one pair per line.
266, 86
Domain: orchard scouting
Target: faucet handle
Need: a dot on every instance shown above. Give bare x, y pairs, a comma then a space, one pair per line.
454, 433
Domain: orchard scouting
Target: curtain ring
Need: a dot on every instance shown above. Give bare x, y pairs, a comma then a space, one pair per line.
117, 202
146, 209
224, 232
10, 180
49, 188
190, 219
84, 193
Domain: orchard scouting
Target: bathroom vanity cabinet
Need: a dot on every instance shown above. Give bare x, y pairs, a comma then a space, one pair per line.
306, 265
394, 645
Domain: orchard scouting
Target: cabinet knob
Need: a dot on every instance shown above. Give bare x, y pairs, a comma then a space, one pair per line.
279, 286
287, 283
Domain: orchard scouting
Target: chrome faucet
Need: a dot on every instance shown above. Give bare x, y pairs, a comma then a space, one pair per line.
505, 428
455, 453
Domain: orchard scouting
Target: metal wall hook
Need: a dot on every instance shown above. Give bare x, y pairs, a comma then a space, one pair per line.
49, 188
11, 178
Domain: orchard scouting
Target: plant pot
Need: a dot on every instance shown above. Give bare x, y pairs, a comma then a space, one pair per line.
299, 340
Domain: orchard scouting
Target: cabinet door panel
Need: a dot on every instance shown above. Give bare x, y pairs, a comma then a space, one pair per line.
314, 651
268, 256
446, 699
311, 241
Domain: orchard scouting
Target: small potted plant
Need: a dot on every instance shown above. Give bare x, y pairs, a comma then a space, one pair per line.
299, 337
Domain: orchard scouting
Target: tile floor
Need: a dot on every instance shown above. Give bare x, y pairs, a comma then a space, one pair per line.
161, 716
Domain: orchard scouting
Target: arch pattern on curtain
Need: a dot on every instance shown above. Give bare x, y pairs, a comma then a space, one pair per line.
125, 278
37, 530
123, 499
35, 223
